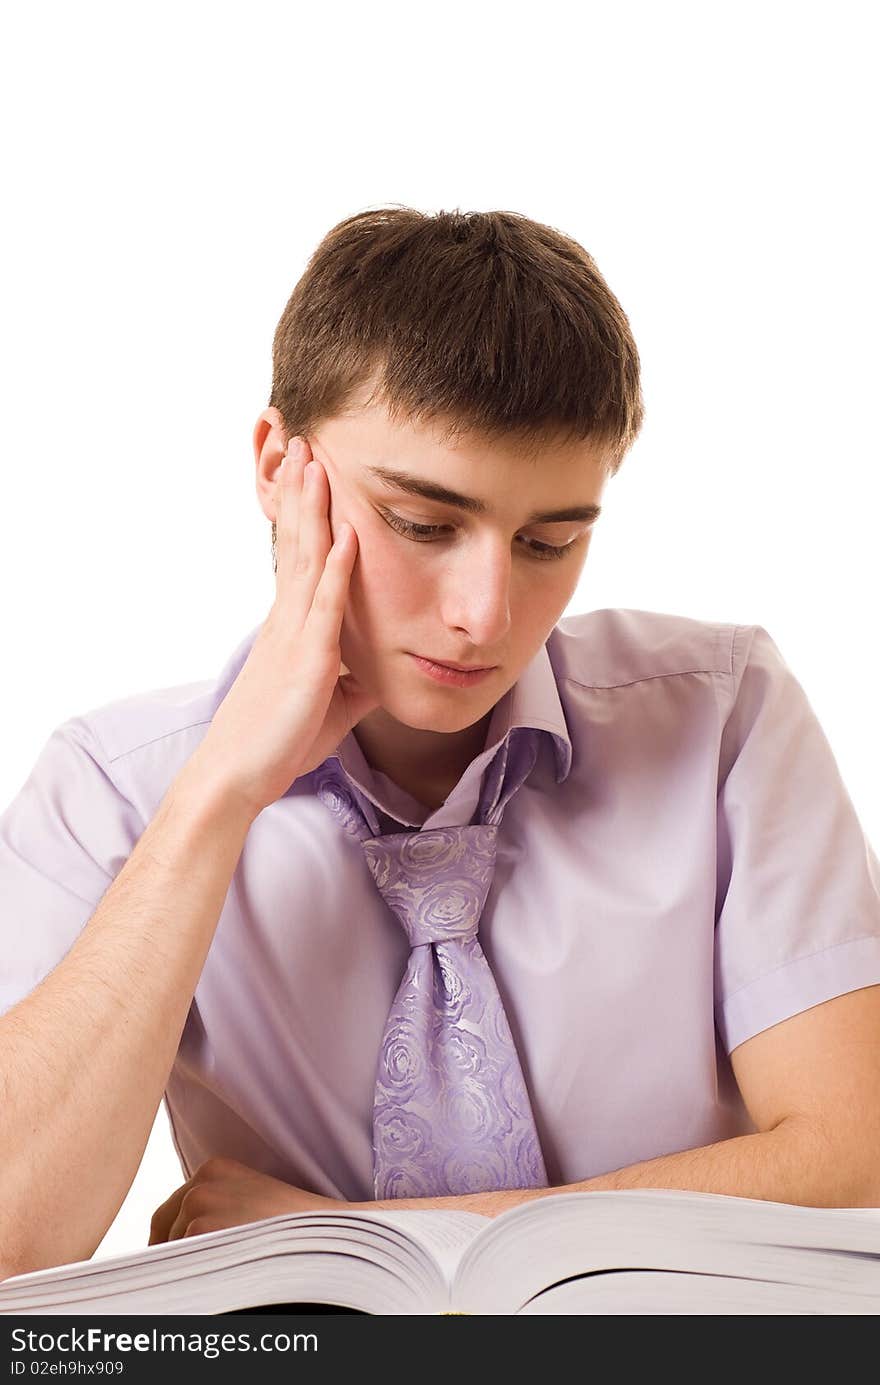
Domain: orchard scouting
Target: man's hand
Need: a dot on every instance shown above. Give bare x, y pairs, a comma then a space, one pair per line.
222, 1193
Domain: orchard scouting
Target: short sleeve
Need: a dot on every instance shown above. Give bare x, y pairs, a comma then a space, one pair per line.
63, 839
797, 918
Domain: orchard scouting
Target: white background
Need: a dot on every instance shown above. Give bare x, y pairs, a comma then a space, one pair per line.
168, 169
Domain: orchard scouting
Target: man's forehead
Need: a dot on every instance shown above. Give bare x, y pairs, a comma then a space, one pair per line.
404, 442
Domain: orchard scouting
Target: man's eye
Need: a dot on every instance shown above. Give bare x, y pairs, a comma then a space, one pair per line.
426, 533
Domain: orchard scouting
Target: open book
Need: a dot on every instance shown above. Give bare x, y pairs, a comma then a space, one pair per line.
634, 1251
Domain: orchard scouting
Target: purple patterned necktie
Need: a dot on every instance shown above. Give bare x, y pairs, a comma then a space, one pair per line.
451, 1112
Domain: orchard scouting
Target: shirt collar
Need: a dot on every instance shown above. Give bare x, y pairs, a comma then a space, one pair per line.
533, 701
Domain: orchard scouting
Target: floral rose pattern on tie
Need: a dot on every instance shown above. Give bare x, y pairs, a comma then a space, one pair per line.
451, 1110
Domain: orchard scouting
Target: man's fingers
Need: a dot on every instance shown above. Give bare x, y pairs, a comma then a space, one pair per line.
304, 540
165, 1216
328, 603
288, 494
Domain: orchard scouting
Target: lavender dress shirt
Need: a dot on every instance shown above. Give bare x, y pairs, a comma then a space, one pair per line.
682, 869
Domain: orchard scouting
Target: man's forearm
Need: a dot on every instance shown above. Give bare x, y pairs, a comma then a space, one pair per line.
791, 1163
85, 1057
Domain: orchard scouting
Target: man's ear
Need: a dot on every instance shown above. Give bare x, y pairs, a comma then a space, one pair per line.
269, 427
269, 448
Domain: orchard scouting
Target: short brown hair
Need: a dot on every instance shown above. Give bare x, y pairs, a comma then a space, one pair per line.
489, 322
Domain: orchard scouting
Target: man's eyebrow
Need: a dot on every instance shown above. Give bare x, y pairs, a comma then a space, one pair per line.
431, 490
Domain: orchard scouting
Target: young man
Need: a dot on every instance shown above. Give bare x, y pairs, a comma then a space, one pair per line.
600, 915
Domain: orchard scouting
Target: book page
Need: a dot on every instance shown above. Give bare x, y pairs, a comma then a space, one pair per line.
549, 1239
444, 1234
677, 1293
377, 1262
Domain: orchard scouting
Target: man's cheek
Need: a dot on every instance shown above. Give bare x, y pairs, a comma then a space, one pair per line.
385, 576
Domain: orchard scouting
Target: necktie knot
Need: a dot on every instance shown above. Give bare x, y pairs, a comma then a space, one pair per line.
435, 881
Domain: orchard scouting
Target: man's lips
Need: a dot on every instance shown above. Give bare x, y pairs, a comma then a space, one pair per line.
460, 668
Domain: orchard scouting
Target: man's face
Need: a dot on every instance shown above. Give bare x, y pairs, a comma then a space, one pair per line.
479, 588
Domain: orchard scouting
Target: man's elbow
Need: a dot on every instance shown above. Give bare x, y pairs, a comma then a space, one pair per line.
838, 1169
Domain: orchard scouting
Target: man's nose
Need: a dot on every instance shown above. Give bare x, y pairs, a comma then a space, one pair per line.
476, 593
